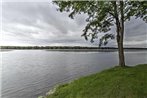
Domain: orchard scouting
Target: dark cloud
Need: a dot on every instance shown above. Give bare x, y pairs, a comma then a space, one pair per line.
39, 23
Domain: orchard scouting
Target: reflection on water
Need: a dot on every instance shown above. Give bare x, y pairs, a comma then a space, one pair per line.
5, 50
30, 73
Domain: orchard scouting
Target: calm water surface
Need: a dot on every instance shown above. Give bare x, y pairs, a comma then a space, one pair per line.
30, 73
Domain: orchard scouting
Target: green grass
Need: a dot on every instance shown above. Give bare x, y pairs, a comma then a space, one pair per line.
117, 82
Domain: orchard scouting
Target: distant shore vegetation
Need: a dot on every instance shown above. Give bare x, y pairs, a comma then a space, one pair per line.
63, 47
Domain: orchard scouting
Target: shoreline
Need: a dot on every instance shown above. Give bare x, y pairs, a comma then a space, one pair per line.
78, 85
79, 50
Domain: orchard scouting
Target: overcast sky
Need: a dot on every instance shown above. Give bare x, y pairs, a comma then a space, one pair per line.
39, 23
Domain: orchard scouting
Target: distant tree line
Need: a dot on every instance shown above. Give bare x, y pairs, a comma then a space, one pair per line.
102, 16
61, 47
53, 47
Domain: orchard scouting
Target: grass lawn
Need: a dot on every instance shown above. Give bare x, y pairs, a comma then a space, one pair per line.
117, 82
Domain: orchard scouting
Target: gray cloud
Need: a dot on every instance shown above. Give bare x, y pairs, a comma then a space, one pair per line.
39, 23
136, 33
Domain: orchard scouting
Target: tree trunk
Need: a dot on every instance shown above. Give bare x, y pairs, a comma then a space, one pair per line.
121, 49
121, 52
120, 31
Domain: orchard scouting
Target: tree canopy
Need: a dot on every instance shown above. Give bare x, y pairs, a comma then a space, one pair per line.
101, 15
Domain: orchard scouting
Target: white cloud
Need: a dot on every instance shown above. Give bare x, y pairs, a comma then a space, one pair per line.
38, 22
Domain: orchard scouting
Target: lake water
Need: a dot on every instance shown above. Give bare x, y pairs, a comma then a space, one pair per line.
30, 73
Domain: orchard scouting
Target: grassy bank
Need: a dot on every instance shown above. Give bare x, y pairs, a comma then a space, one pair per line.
129, 82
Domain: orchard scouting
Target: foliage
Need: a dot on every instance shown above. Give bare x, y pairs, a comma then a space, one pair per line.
101, 15
63, 47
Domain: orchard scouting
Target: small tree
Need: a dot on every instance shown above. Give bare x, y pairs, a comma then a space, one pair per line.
102, 15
